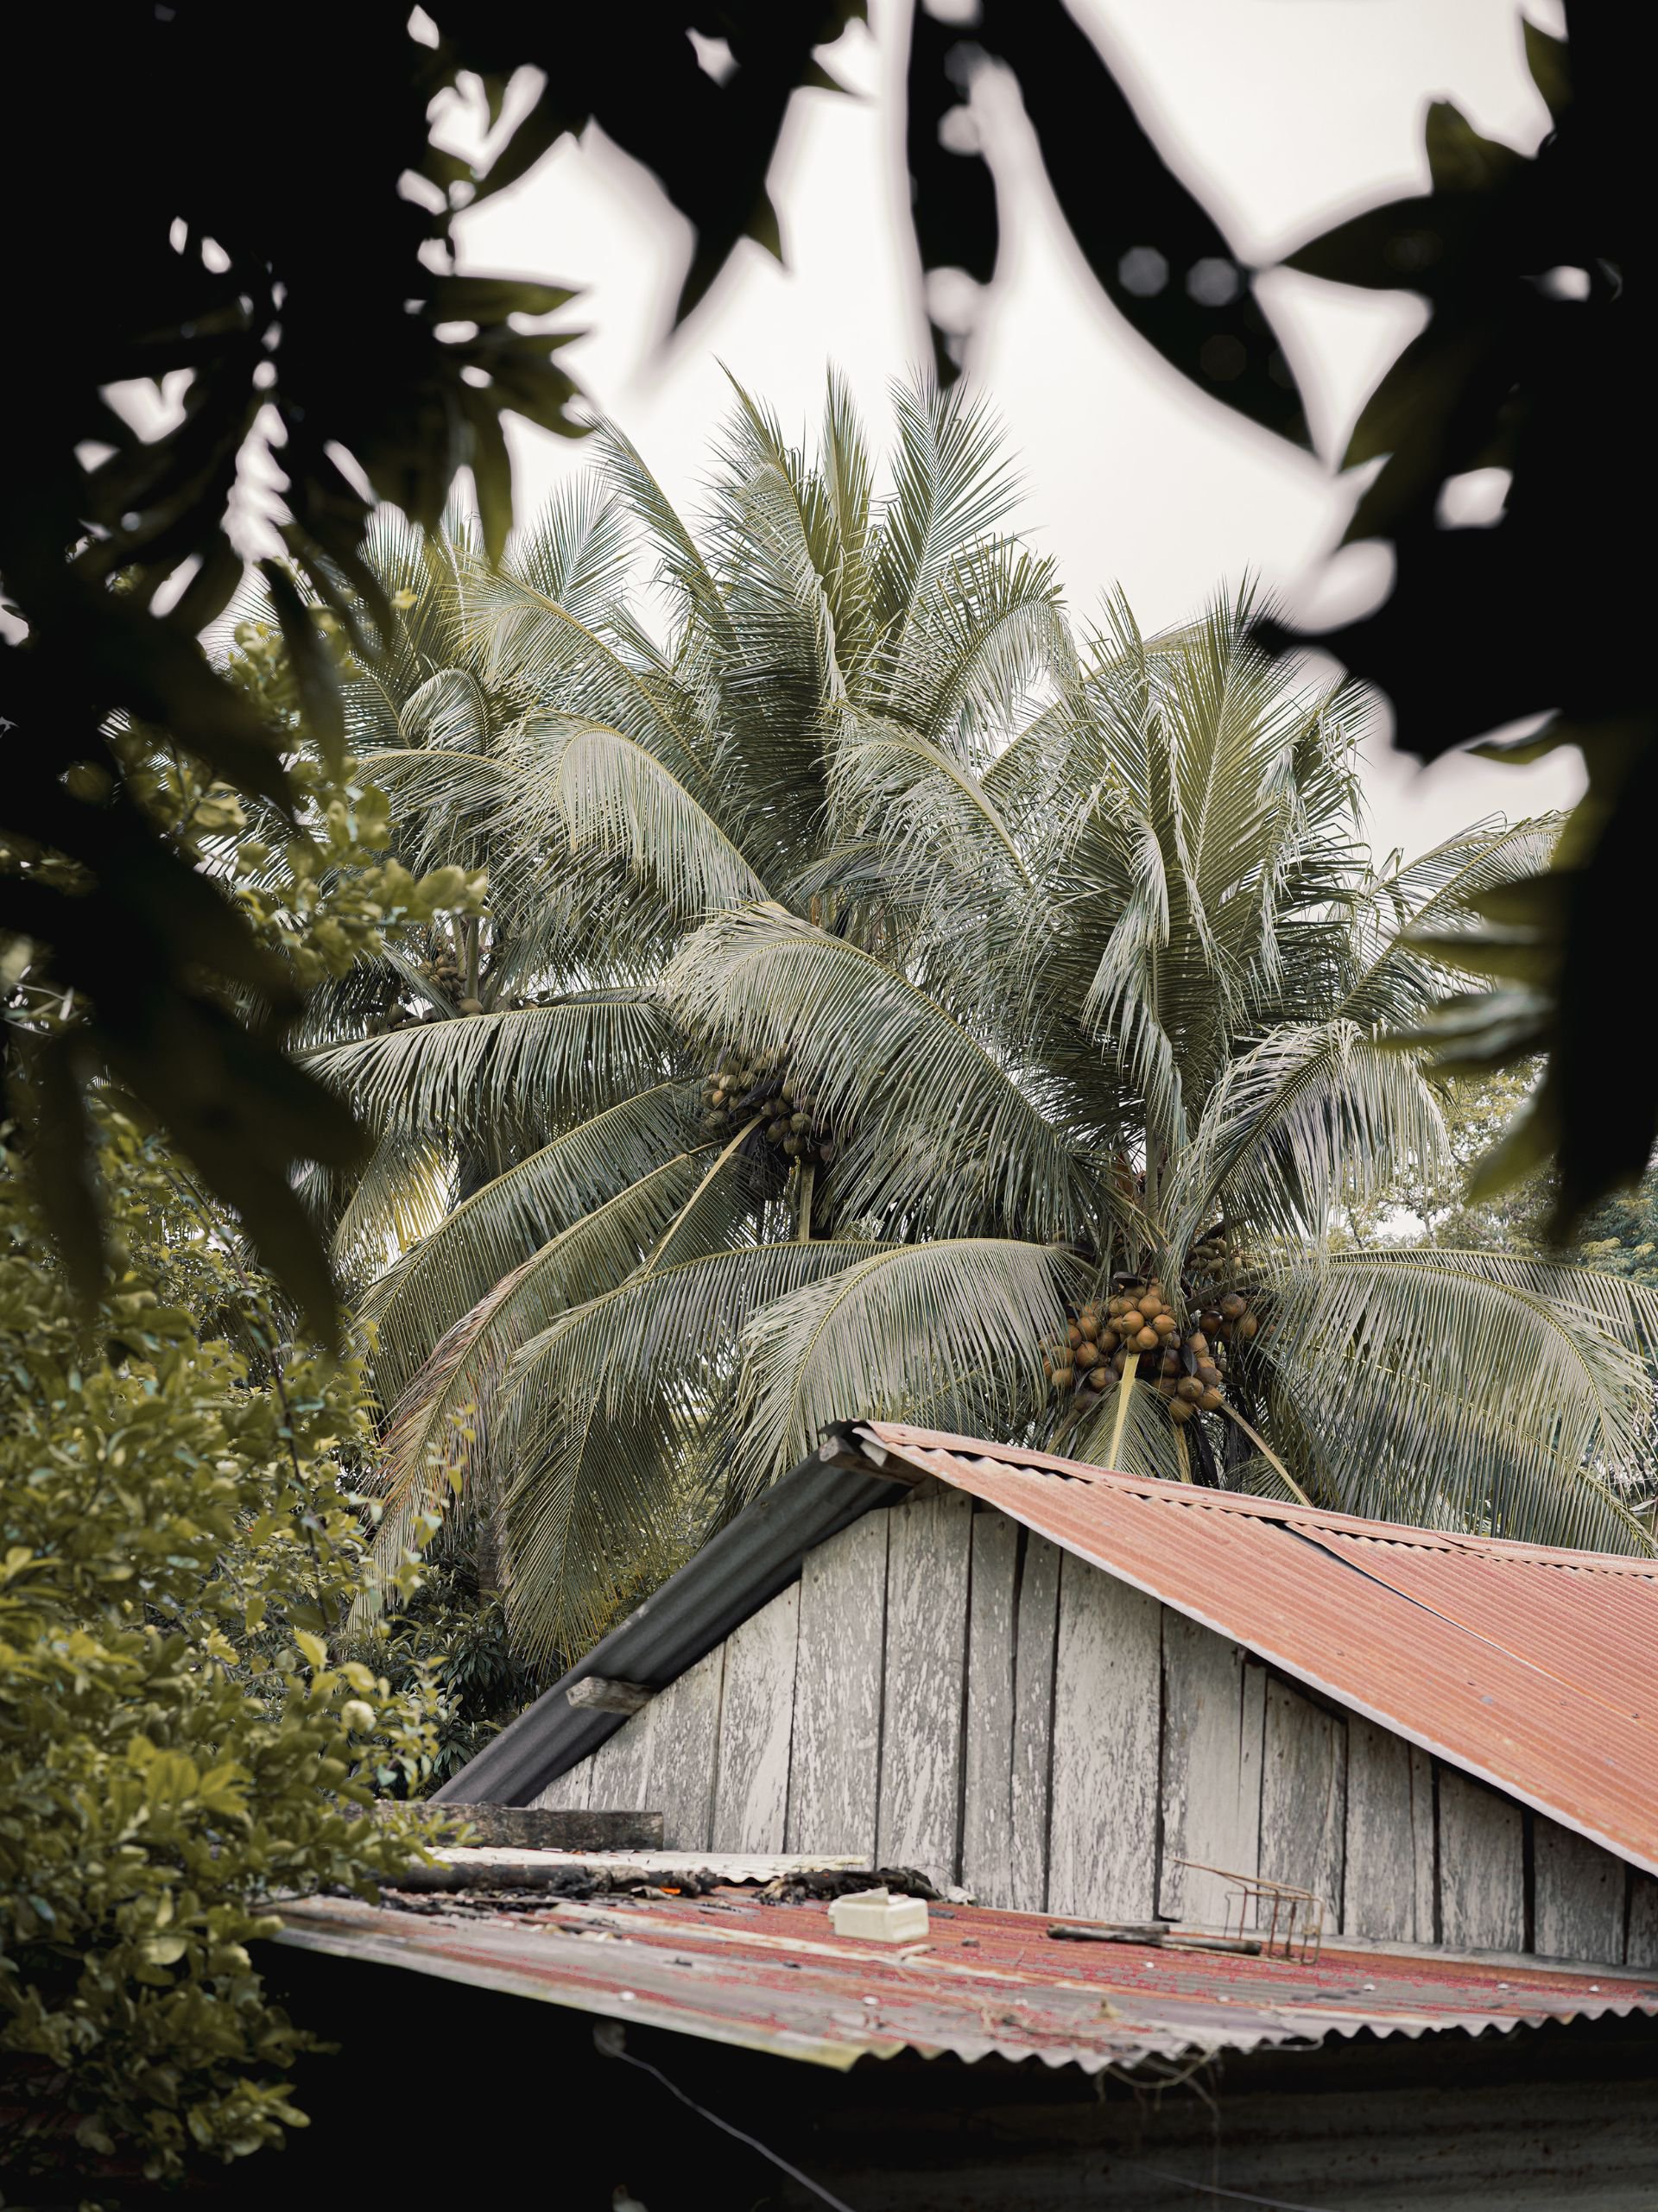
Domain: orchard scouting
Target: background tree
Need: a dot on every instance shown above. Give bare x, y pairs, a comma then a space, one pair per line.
882, 1000
1620, 1235
380, 371
1536, 276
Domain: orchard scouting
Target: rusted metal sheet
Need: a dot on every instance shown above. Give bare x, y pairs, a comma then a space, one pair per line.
1532, 1668
733, 1969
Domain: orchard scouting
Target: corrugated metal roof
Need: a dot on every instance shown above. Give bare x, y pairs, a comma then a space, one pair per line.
1533, 1668
775, 1977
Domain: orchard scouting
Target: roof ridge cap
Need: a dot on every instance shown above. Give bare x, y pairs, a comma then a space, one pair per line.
899, 1436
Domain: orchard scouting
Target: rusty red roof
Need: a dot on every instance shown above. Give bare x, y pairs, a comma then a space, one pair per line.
1535, 1669
734, 1968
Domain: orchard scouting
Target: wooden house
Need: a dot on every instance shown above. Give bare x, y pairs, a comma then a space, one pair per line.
1076, 1696
1074, 1692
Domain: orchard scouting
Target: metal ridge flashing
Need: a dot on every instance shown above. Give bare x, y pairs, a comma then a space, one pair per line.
918, 1446
756, 1554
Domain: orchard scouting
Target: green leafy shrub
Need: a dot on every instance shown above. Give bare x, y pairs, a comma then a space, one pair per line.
179, 1536
453, 1632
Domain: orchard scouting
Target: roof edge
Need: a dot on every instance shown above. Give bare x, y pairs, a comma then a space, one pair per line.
1045, 1462
740, 1568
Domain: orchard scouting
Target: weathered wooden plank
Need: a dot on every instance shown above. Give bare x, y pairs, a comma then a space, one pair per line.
681, 1782
620, 1765
987, 1751
1107, 1690
1381, 1892
1036, 1632
1304, 1796
527, 1829
1482, 1866
1577, 1896
756, 1715
1642, 1942
1424, 1847
834, 1757
568, 1793
1212, 1704
926, 1666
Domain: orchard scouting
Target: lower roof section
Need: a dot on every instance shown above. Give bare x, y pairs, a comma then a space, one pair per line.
732, 1969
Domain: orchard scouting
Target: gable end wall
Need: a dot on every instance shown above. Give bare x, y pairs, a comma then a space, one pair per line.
944, 1689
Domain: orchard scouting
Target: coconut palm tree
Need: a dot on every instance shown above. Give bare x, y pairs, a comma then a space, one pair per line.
890, 1005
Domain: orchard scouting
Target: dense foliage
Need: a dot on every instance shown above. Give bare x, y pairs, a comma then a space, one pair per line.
451, 1635
333, 329
883, 996
179, 1536
182, 1537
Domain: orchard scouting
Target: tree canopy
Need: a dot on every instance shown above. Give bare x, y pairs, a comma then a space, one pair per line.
334, 326
885, 991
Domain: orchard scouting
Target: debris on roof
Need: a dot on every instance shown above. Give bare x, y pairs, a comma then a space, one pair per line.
491, 1868
733, 1967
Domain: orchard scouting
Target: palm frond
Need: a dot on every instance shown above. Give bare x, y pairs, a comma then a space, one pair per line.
528, 647
504, 1076
937, 1130
1396, 978
461, 1258
576, 553
606, 1404
442, 1438
592, 791
952, 488
1315, 1114
1469, 1389
679, 565
954, 1327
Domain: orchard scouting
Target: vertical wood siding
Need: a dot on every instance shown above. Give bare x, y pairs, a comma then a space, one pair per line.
1038, 1626
1482, 1866
944, 1689
1579, 1895
756, 1719
681, 1775
835, 1748
1213, 1699
1103, 1832
1388, 1895
1303, 1795
988, 1725
925, 1668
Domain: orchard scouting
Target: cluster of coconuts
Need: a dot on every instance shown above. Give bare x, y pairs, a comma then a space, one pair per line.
443, 972
1185, 1366
741, 1088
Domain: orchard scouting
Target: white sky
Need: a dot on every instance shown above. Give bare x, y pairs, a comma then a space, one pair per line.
1282, 113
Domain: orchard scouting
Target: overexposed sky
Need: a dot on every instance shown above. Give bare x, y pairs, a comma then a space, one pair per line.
1283, 114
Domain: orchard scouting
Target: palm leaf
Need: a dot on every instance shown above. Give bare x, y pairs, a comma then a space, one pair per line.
954, 1327
505, 1075
462, 1257
1470, 1389
938, 1129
